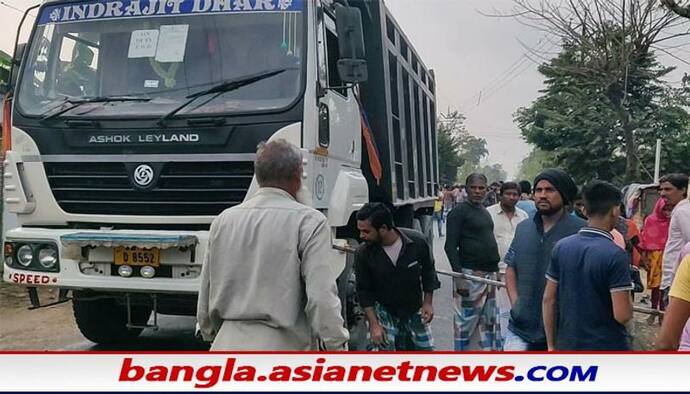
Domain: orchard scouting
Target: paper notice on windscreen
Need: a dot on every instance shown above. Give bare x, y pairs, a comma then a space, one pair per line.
143, 43
172, 42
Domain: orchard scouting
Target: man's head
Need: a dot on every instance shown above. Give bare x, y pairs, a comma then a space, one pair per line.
476, 187
525, 189
82, 55
279, 164
579, 205
374, 222
553, 190
510, 194
602, 203
673, 188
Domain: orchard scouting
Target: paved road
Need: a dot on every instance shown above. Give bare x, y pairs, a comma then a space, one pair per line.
53, 328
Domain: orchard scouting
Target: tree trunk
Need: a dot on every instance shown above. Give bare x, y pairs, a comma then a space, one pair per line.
632, 164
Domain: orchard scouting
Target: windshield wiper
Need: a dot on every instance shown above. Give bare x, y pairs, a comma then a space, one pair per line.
76, 102
223, 87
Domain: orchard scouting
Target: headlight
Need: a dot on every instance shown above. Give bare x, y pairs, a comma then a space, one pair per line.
47, 257
147, 272
25, 255
125, 271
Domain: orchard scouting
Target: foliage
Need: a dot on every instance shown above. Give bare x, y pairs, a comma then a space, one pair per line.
608, 82
533, 164
457, 147
493, 172
5, 61
601, 124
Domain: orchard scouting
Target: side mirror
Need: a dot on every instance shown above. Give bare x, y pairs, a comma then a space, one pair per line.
19, 54
12, 70
352, 66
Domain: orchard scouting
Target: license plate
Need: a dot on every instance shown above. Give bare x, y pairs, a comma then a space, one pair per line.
137, 256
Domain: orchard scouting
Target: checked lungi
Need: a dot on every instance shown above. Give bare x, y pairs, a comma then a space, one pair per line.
476, 319
409, 333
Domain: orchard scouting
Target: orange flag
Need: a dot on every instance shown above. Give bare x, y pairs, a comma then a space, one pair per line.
372, 150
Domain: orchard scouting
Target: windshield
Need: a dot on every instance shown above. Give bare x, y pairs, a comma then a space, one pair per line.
112, 48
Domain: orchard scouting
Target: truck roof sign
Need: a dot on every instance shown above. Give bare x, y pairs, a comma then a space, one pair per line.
117, 9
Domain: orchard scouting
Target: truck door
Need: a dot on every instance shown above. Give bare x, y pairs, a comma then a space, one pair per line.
339, 138
343, 134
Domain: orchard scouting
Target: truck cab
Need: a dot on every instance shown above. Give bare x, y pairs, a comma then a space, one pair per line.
135, 122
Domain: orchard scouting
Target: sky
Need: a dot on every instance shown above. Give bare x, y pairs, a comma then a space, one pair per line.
483, 65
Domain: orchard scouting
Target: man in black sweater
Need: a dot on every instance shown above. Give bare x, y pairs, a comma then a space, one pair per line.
472, 250
395, 281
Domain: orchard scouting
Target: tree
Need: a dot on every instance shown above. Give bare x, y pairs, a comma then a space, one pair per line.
682, 10
457, 147
533, 164
493, 172
5, 63
590, 126
606, 44
448, 154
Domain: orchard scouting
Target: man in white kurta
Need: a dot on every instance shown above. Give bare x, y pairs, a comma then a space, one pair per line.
266, 281
506, 216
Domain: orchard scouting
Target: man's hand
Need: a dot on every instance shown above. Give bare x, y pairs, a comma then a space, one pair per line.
427, 312
378, 335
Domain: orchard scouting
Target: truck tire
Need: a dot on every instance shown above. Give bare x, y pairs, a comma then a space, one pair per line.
351, 311
417, 225
424, 224
104, 321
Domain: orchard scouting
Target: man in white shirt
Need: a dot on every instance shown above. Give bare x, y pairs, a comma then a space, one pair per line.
266, 282
674, 190
506, 216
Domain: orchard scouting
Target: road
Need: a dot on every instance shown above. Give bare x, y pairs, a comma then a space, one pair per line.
53, 328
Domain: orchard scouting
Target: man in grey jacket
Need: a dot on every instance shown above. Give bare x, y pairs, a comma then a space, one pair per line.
266, 283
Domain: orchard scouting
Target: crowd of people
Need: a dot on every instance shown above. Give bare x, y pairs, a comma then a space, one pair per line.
570, 261
566, 255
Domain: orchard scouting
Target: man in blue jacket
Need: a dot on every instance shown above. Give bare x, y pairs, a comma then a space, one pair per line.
530, 254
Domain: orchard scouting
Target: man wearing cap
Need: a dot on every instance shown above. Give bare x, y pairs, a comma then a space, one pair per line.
530, 254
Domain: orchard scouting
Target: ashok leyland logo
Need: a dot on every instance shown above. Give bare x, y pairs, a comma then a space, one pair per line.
143, 175
55, 15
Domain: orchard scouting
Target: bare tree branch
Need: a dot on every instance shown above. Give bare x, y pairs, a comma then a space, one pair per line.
677, 8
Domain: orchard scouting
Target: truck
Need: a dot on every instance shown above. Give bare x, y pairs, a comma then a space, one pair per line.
131, 124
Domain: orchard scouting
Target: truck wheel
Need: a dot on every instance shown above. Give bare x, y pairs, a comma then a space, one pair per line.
351, 311
356, 321
104, 321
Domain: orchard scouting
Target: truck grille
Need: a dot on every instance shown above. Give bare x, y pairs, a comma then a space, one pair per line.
182, 188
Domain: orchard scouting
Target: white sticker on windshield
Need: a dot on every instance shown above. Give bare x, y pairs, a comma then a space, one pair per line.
151, 83
143, 43
172, 42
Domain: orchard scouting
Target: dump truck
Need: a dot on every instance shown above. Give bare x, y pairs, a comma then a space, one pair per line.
131, 124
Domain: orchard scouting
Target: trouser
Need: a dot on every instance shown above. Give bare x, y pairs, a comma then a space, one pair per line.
657, 299
513, 343
438, 217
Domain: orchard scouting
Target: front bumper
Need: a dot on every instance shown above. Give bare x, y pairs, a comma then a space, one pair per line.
181, 252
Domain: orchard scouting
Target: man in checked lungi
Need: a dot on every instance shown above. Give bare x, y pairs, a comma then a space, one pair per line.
472, 250
396, 279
